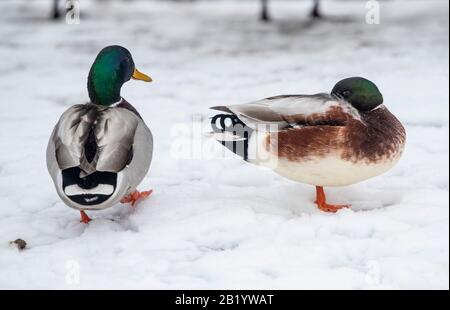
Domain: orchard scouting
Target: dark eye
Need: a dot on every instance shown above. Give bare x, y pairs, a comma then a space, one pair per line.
346, 93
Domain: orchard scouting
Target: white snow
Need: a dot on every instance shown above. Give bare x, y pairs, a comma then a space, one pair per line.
222, 223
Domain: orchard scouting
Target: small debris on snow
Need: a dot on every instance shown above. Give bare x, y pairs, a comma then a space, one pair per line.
19, 243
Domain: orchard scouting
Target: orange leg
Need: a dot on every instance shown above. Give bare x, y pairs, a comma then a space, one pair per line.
135, 197
322, 204
84, 217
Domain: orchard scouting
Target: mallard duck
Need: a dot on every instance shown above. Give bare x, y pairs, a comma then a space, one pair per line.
334, 139
99, 152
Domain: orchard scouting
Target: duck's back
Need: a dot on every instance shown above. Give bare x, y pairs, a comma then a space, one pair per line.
95, 138
97, 154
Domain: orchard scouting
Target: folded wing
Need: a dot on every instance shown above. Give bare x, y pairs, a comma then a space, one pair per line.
292, 111
95, 138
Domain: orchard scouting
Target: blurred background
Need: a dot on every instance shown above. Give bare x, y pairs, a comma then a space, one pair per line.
208, 213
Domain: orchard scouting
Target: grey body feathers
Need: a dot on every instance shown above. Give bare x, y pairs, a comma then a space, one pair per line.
123, 144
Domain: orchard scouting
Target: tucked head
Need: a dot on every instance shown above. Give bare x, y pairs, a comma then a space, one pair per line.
359, 92
113, 67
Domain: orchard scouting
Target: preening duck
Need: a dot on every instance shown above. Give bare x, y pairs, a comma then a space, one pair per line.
335, 139
99, 152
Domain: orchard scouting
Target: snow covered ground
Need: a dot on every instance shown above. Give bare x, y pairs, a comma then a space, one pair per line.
221, 223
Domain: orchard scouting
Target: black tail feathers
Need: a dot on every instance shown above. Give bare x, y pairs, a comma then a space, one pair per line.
239, 133
88, 190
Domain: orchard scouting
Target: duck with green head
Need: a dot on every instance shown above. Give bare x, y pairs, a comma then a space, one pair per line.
99, 152
335, 139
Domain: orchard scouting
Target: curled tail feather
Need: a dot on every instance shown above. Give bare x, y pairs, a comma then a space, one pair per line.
232, 133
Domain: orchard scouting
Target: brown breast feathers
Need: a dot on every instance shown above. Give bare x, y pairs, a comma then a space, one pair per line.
378, 135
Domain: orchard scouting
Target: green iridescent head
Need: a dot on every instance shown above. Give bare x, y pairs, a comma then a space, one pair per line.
361, 93
113, 67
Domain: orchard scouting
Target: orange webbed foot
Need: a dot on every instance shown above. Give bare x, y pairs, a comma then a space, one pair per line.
323, 205
134, 197
84, 218
331, 208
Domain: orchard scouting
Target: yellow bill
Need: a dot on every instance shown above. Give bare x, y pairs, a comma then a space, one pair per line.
141, 76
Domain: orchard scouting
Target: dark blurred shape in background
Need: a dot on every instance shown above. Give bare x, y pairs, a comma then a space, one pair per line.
315, 11
265, 15
61, 5
265, 11
55, 10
